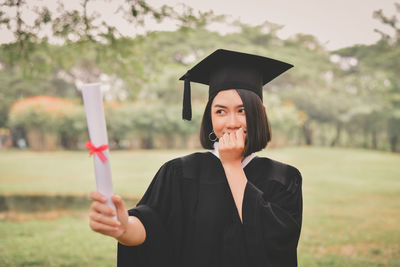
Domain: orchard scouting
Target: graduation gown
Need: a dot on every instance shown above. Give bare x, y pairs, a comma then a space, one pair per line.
191, 219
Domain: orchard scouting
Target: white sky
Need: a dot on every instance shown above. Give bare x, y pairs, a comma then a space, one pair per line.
335, 23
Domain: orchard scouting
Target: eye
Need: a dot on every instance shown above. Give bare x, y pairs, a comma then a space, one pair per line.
241, 110
220, 111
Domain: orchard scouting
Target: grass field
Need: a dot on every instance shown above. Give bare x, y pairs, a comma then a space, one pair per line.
351, 205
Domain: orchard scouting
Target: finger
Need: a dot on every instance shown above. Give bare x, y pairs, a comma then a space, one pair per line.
102, 208
226, 138
221, 145
240, 137
100, 218
99, 227
119, 205
232, 139
222, 141
97, 196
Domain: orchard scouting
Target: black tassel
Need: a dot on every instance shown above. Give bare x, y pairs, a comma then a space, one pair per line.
187, 105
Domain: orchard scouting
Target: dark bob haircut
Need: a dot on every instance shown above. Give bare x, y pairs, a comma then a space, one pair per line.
258, 128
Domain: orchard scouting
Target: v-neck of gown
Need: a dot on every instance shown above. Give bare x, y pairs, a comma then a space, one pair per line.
244, 162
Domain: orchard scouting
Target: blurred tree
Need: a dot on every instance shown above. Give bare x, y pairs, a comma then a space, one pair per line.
377, 82
40, 118
315, 88
73, 128
348, 97
14, 86
390, 49
89, 48
86, 31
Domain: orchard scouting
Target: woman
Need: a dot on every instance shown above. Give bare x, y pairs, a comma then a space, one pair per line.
227, 207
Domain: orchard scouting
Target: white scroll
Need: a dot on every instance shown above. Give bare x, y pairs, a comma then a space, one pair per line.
96, 122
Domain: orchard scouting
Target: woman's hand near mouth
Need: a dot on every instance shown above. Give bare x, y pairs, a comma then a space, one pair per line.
231, 146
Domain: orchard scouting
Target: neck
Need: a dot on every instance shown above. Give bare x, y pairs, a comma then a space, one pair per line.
244, 160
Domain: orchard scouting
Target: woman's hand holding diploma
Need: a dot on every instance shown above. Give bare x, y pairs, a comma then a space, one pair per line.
128, 230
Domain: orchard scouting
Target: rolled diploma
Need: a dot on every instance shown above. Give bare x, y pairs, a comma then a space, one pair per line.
96, 122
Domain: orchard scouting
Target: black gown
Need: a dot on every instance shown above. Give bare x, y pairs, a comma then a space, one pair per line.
191, 219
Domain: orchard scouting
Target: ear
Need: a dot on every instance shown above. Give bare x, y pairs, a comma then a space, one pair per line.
264, 107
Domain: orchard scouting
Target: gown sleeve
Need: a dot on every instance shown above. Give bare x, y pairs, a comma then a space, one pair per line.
159, 211
272, 217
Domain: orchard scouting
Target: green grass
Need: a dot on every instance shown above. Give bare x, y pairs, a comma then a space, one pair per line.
73, 172
351, 205
66, 241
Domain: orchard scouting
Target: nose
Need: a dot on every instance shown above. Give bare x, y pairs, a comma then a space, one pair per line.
233, 121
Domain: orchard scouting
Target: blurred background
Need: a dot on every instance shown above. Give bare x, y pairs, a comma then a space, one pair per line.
335, 116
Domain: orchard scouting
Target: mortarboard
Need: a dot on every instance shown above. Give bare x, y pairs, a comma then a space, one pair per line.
225, 69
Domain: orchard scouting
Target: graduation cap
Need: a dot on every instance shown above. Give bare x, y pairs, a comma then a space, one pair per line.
225, 69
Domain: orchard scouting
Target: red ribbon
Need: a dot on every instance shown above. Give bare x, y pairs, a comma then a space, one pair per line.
98, 150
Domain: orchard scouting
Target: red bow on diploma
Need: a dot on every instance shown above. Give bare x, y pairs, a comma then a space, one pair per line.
98, 150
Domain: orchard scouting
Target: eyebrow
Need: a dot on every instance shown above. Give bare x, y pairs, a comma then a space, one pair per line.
222, 106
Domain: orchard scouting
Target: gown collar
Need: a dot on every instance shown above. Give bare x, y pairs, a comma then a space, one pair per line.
245, 161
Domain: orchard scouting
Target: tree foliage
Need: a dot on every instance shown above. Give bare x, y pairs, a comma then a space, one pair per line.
377, 81
349, 97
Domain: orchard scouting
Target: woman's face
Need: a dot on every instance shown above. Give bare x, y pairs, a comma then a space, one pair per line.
227, 113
